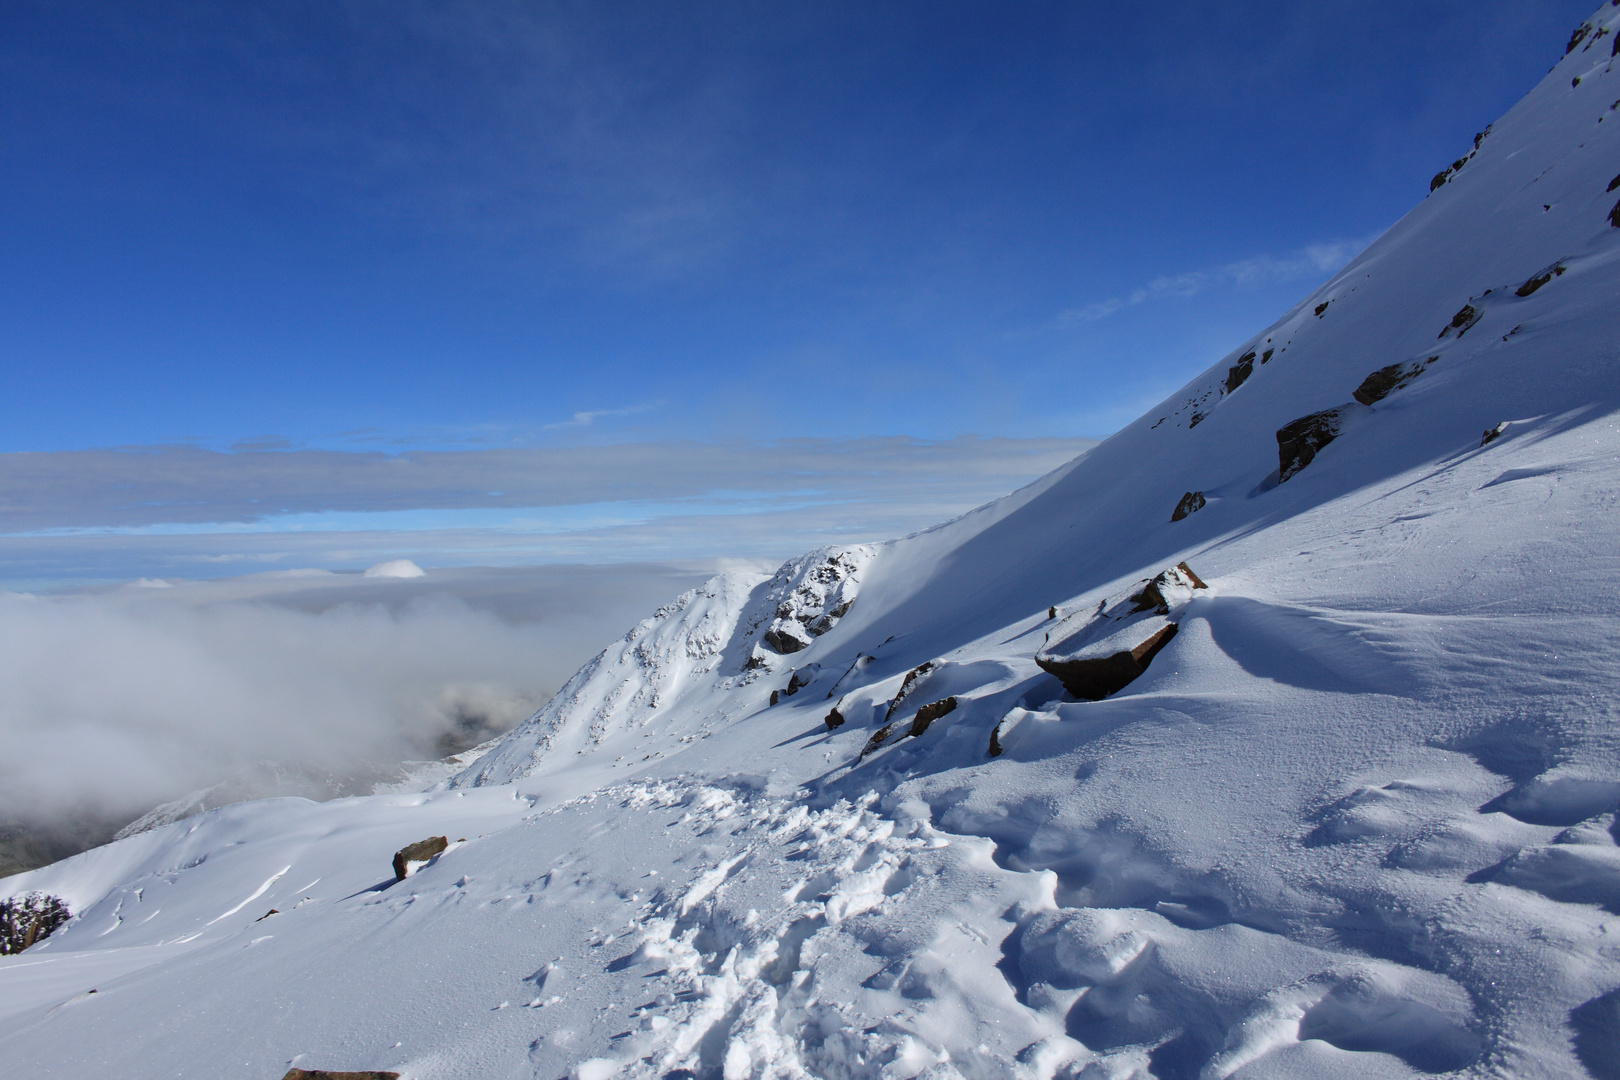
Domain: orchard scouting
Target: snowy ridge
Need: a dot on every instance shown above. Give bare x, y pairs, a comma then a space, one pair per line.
1356, 818
729, 631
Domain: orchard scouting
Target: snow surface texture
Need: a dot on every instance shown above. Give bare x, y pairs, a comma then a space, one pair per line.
1356, 819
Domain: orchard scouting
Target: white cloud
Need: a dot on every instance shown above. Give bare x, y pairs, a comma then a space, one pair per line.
119, 699
1321, 259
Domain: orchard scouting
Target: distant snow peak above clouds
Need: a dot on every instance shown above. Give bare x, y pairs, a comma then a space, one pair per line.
395, 568
1357, 818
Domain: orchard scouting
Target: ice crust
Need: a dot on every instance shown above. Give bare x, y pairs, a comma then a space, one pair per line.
1357, 819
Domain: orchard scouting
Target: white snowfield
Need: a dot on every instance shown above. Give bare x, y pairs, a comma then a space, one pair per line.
1355, 819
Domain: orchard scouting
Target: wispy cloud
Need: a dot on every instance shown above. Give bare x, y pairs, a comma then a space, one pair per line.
159, 511
185, 485
1313, 259
586, 419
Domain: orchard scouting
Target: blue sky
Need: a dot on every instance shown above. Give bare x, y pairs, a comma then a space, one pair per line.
239, 231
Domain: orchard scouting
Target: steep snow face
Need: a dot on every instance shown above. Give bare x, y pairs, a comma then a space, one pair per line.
1356, 817
729, 632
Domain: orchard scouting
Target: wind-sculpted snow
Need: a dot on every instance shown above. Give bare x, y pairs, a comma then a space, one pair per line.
1357, 818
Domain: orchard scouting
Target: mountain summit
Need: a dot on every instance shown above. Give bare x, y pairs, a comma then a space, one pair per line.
1273, 736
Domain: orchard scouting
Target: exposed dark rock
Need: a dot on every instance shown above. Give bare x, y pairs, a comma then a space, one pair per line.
1494, 433
776, 695
1616, 181
1239, 372
786, 638
1094, 677
755, 662
1323, 306
1265, 357
1196, 419
1439, 180
929, 713
1190, 503
419, 852
995, 741
1385, 381
801, 679
1460, 322
324, 1074
876, 740
906, 684
1577, 37
266, 915
1298, 442
1614, 216
1099, 652
29, 918
835, 719
1051, 612
1175, 584
1536, 282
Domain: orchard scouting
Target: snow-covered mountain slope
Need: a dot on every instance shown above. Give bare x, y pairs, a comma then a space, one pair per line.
1355, 817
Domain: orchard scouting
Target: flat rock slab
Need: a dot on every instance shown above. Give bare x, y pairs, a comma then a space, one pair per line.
1108, 666
1100, 652
419, 852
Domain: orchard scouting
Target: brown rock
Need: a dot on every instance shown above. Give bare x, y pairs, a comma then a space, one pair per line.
1385, 381
1239, 372
929, 713
906, 684
835, 719
1155, 595
1537, 281
1460, 322
419, 852
324, 1074
1191, 502
1095, 677
1298, 442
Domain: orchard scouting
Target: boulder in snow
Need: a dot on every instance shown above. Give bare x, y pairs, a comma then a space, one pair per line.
929, 713
411, 855
907, 685
1109, 665
1098, 653
1386, 380
1190, 503
1298, 442
1538, 280
323, 1074
1239, 372
1460, 322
